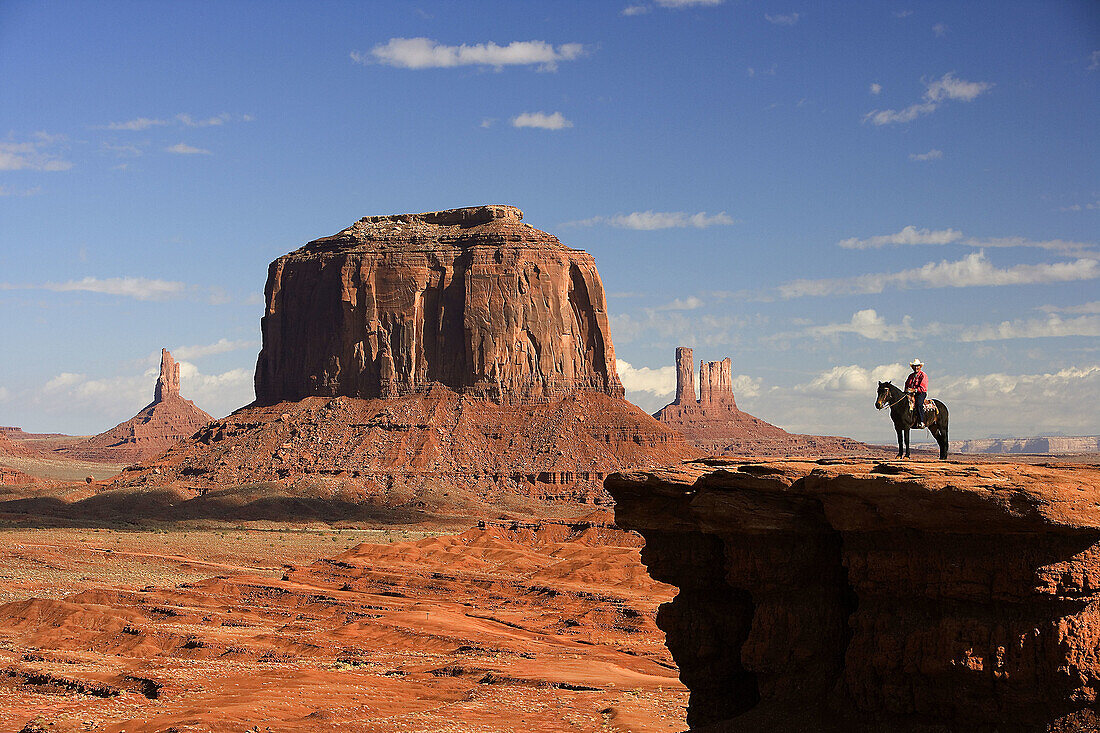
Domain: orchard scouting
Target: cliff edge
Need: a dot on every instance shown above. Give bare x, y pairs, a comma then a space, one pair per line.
849, 595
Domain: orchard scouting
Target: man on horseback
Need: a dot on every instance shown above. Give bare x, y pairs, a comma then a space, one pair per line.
917, 385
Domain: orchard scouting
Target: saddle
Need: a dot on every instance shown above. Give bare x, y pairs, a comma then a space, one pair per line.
930, 410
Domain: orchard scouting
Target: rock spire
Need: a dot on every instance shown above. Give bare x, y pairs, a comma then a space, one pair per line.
168, 383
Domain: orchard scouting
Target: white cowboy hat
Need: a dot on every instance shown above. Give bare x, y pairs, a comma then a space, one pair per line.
916, 362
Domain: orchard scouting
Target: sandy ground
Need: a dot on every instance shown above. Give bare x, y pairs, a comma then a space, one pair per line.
545, 627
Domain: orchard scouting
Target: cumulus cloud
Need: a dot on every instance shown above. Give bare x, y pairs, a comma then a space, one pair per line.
972, 271
108, 400
1091, 206
658, 382
853, 379
932, 154
140, 288
425, 53
908, 235
650, 220
214, 121
876, 88
1053, 326
947, 88
789, 19
868, 324
682, 304
541, 121
182, 148
36, 154
220, 346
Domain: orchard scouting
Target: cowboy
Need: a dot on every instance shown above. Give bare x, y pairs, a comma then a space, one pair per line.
917, 385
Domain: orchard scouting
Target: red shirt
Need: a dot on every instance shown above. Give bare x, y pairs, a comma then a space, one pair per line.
917, 381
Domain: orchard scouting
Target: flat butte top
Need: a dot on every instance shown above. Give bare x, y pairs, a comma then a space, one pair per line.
488, 225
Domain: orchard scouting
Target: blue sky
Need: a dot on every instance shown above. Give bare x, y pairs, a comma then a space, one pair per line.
819, 191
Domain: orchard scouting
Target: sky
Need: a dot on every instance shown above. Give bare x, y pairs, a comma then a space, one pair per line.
820, 191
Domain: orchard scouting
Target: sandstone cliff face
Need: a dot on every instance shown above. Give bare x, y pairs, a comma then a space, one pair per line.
472, 299
862, 596
165, 421
714, 423
1041, 445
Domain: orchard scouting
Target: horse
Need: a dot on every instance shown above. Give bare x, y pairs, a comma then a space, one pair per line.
904, 416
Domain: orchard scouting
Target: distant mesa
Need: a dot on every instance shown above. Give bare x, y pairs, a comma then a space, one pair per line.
1046, 445
453, 361
165, 421
713, 423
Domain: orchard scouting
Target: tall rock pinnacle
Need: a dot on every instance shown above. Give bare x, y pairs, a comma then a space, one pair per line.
168, 383
685, 376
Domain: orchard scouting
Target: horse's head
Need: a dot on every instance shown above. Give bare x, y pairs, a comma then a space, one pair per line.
883, 398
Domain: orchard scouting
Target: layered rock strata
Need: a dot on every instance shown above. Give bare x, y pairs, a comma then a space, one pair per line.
165, 421
451, 361
1041, 445
473, 299
863, 596
714, 423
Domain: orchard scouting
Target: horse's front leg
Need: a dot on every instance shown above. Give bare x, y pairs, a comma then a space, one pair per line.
901, 450
907, 442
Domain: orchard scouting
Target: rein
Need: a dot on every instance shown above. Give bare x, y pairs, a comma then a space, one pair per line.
904, 395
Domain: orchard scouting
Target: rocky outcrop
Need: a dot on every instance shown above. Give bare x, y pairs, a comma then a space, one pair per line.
165, 421
879, 597
713, 423
456, 362
1055, 445
472, 299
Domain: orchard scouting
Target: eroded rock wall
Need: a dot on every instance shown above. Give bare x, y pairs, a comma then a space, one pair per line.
863, 596
472, 299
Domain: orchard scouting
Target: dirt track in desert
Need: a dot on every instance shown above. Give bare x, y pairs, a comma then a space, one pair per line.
507, 627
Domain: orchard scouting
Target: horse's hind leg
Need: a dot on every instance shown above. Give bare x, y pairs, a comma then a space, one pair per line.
941, 438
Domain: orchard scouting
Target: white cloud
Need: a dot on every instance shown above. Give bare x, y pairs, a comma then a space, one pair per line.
868, 324
1094, 61
902, 13
541, 120
908, 235
181, 148
932, 154
938, 91
189, 121
1053, 326
789, 19
685, 304
1091, 206
35, 154
635, 10
109, 400
658, 382
651, 220
911, 235
1091, 308
136, 125
487, 122
220, 346
940, 30
876, 88
852, 379
687, 3
5, 395
972, 271
425, 53
660, 328
132, 287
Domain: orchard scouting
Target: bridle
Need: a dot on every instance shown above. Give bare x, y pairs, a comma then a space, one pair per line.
904, 395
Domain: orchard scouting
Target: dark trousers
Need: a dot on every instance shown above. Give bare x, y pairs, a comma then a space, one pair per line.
919, 398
